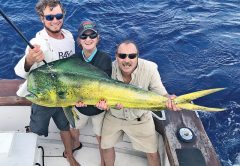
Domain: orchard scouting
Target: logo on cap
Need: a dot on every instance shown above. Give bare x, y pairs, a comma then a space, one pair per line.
87, 25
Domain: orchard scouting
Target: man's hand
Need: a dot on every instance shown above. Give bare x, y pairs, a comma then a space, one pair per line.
102, 105
34, 55
118, 106
170, 103
80, 104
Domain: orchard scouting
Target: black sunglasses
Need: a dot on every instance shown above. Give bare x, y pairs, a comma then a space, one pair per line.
85, 36
130, 56
50, 17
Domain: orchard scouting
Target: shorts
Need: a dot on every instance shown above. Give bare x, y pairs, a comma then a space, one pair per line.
97, 121
40, 119
141, 132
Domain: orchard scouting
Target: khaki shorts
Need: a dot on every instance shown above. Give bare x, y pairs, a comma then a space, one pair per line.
141, 133
97, 121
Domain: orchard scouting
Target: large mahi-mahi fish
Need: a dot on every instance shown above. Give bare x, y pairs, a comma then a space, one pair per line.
64, 82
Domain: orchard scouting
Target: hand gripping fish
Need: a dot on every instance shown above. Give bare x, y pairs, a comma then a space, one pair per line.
75, 80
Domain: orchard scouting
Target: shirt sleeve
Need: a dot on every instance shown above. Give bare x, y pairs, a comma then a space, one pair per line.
156, 84
108, 68
104, 62
19, 68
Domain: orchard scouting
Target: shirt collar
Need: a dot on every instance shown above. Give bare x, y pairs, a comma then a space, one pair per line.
89, 59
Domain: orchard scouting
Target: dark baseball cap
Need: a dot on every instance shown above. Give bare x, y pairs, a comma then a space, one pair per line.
87, 25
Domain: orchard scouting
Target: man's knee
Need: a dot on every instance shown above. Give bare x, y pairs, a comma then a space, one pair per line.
39, 129
153, 159
109, 156
75, 133
107, 150
153, 156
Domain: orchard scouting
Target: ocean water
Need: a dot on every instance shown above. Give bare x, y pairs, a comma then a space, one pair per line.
196, 45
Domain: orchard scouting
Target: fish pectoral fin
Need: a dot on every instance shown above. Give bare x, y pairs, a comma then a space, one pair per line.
69, 115
193, 107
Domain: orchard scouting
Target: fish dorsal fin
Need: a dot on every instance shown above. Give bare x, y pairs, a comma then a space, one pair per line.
74, 65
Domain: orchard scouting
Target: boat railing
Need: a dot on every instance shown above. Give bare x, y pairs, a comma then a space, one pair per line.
8, 95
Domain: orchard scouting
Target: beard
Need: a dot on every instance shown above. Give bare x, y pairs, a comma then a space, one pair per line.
56, 31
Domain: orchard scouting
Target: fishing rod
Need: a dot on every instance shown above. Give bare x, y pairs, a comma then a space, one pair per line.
18, 31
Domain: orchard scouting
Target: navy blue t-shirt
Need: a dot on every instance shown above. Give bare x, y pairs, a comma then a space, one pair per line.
102, 61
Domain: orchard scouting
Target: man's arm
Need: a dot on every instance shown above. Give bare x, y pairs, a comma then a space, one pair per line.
157, 86
24, 65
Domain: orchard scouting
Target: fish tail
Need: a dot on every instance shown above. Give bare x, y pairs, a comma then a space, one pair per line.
69, 115
75, 115
194, 107
184, 101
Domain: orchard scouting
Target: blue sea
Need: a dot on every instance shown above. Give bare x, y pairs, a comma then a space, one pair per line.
196, 44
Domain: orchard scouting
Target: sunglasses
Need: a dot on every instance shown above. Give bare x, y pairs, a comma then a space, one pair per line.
130, 56
85, 36
51, 17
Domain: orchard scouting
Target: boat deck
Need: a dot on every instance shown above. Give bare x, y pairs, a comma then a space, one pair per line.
14, 119
87, 156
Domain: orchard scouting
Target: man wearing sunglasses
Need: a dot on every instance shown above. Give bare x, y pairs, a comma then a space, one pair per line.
88, 38
137, 124
50, 44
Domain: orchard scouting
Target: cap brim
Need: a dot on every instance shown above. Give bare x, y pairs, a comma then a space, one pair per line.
87, 30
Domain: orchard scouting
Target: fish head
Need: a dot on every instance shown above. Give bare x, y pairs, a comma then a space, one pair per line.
58, 83
43, 87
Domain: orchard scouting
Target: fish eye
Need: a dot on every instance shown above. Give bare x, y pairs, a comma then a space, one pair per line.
53, 75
